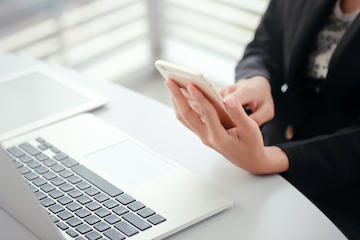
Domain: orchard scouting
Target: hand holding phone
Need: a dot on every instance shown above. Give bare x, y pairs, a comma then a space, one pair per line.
184, 77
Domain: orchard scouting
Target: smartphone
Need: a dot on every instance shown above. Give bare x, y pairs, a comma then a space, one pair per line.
184, 77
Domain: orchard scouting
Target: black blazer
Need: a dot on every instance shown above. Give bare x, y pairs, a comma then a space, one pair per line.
324, 151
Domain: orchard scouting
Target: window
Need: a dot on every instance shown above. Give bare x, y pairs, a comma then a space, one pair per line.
210, 35
116, 39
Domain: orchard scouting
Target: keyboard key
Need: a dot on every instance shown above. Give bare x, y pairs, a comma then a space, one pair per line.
93, 206
17, 164
83, 185
62, 226
39, 181
146, 212
83, 228
93, 235
16, 152
53, 219
112, 219
65, 215
74, 179
57, 168
84, 199
66, 174
125, 228
80, 238
156, 219
120, 210
64, 200
82, 213
56, 194
33, 164
48, 145
101, 197
25, 159
73, 206
72, 233
58, 181
56, 208
49, 175
42, 147
47, 202
125, 199
27, 147
49, 162
75, 193
33, 188
23, 170
60, 156
31, 176
92, 191
41, 157
73, 222
135, 206
47, 187
69, 162
101, 226
102, 212
41, 170
55, 150
135, 220
40, 195
112, 234
40, 140
111, 204
66, 187
92, 219
98, 181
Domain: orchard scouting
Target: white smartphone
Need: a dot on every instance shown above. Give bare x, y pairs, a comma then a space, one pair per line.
184, 77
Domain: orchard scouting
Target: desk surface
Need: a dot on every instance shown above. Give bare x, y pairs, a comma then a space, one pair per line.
266, 207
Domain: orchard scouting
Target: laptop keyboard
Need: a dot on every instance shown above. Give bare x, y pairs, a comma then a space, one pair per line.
78, 201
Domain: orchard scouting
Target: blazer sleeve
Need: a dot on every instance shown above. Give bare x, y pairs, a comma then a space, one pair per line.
324, 162
263, 55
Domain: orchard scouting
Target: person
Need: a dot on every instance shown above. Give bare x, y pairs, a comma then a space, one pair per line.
300, 77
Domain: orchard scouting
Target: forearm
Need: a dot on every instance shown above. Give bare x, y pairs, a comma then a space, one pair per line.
325, 161
263, 55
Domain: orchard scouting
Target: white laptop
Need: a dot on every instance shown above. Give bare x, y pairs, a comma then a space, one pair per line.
81, 178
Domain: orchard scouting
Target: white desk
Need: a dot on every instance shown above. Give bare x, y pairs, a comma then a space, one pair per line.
266, 207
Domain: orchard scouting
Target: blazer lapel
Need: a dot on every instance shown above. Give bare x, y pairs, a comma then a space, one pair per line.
344, 43
305, 36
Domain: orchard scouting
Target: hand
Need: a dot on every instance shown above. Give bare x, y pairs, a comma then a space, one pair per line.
242, 145
254, 94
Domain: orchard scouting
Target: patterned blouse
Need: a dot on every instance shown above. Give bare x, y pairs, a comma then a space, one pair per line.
327, 41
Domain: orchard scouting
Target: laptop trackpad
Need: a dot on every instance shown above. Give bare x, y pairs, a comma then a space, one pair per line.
128, 163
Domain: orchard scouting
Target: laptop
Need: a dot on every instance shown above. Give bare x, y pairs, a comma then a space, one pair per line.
81, 178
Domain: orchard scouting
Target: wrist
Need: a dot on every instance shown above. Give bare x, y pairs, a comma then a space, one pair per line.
276, 160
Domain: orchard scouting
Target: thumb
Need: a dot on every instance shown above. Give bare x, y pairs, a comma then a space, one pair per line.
236, 111
258, 118
261, 116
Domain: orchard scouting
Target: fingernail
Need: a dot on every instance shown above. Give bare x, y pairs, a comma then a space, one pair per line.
166, 83
191, 90
231, 102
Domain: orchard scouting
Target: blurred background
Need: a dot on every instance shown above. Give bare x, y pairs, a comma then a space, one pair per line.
118, 40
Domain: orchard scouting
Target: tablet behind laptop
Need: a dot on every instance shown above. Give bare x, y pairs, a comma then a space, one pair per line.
36, 97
